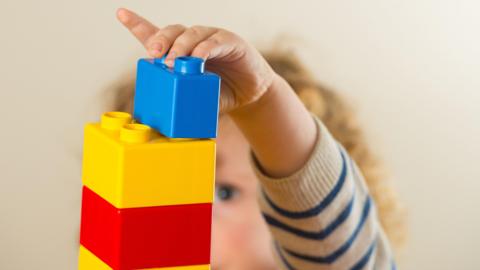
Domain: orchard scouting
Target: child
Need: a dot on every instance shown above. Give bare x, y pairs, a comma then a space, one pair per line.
319, 213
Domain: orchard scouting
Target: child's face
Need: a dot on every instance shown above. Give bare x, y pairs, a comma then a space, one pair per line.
240, 238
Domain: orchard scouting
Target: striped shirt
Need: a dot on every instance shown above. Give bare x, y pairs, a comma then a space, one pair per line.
323, 217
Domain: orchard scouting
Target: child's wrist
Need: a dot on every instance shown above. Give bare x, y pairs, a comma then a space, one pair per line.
251, 109
279, 128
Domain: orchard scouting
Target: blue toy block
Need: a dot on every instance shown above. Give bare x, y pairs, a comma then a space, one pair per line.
181, 102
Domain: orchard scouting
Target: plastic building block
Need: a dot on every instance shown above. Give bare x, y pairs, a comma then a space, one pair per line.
146, 237
88, 261
131, 165
181, 102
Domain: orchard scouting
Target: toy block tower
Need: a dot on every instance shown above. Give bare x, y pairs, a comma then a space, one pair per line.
149, 181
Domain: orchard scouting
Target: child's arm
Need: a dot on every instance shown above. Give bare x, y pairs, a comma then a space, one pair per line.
320, 213
322, 216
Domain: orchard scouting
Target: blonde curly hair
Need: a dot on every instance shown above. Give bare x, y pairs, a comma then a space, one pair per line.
337, 116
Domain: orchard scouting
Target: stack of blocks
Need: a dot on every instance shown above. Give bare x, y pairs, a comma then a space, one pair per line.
148, 188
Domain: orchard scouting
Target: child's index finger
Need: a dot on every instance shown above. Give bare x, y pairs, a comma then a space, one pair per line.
141, 28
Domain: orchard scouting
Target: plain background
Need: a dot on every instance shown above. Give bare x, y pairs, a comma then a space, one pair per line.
411, 68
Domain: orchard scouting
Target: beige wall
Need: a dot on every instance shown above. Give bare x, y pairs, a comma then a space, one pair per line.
411, 67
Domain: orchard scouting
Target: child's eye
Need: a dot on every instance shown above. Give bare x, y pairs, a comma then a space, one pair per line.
225, 192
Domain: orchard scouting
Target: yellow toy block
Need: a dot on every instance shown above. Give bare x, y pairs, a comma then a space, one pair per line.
131, 165
88, 261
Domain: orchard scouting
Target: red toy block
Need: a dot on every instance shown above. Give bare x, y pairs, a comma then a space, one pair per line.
146, 237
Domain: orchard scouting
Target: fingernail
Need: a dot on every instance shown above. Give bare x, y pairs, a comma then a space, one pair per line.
169, 63
171, 55
154, 53
170, 58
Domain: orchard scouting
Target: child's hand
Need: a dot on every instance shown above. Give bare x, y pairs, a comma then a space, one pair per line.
246, 76
278, 127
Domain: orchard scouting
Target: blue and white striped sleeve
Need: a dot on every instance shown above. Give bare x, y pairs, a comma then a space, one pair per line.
323, 217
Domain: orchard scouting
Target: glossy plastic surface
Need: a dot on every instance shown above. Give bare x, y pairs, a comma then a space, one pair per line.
146, 237
134, 166
181, 102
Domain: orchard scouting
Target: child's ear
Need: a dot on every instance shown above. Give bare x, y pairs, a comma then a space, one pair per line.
313, 100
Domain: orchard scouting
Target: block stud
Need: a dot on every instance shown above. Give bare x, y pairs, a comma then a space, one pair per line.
115, 120
189, 65
135, 133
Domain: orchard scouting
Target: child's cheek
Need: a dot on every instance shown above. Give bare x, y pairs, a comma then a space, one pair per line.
228, 235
